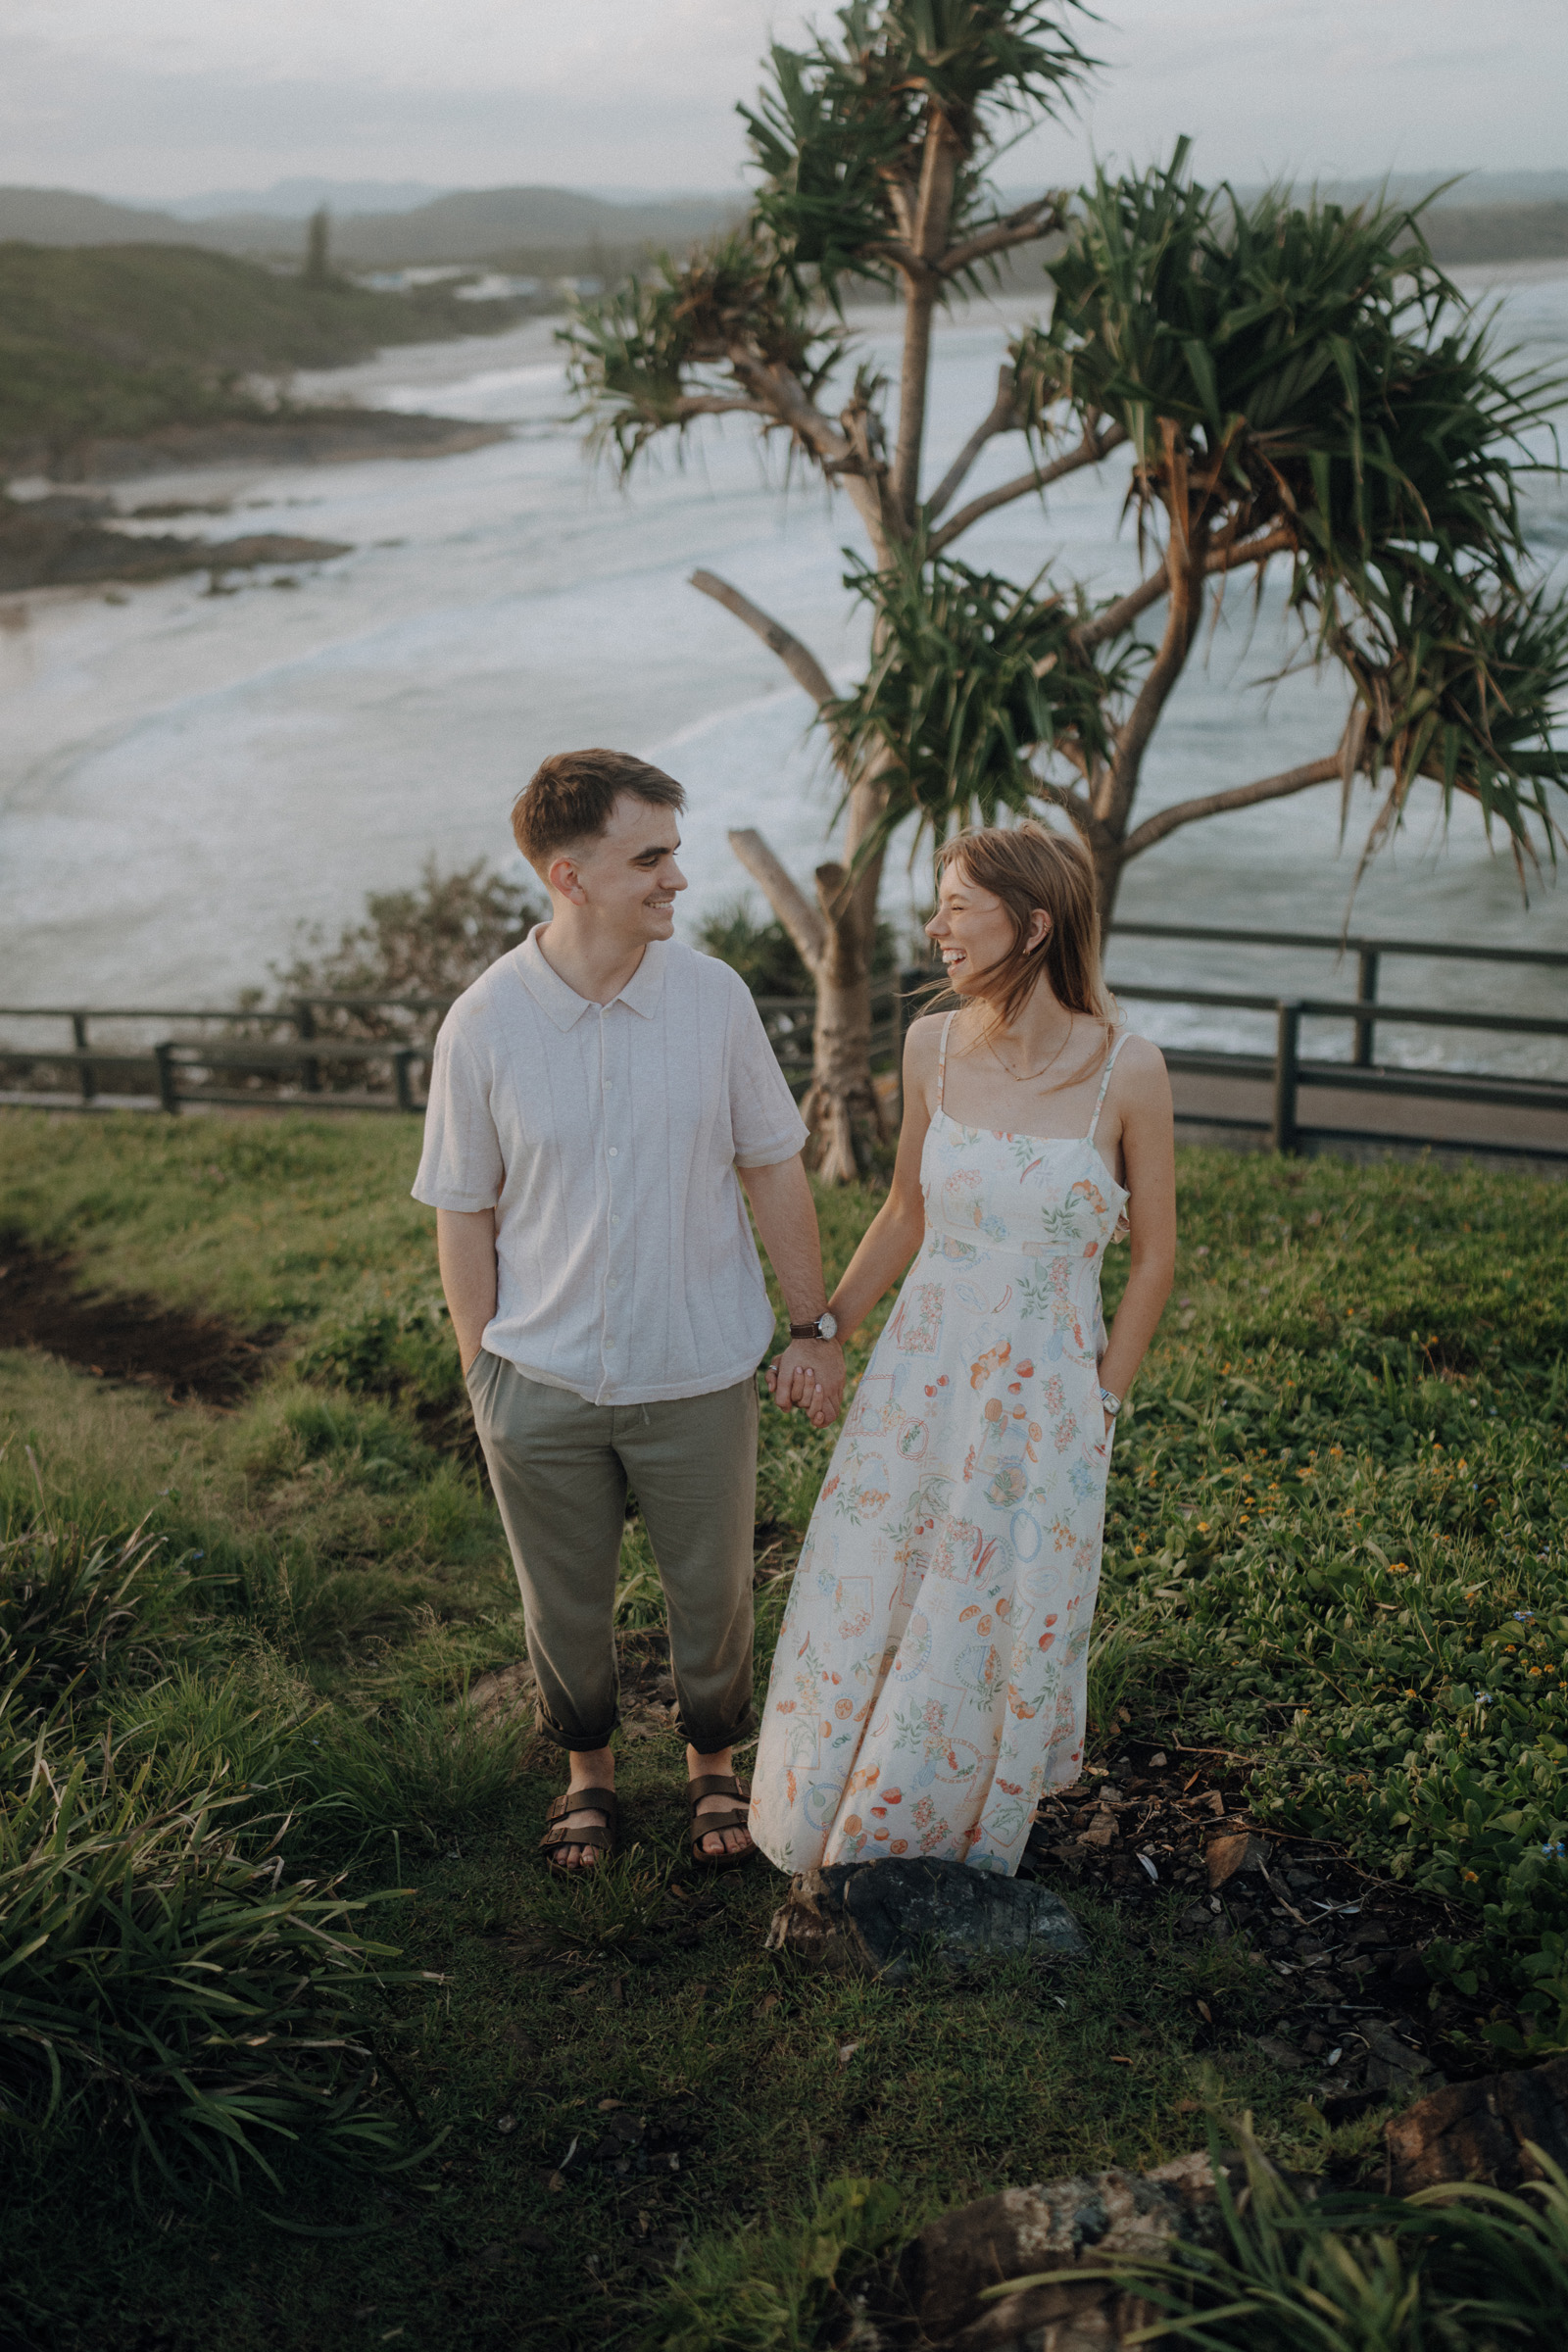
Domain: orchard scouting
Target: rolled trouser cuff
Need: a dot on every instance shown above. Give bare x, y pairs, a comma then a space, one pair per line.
709, 1736
571, 1737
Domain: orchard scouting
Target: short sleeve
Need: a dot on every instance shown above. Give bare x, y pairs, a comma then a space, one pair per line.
764, 1124
461, 1165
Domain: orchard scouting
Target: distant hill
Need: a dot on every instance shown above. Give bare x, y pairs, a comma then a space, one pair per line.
111, 342
297, 199
526, 226
1498, 233
1491, 216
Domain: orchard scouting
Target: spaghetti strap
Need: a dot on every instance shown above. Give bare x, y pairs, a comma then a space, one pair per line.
1099, 1098
942, 1054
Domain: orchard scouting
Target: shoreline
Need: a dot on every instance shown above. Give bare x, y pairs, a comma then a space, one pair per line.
324, 436
71, 538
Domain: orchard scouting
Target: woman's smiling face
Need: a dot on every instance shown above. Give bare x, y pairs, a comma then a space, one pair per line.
973, 930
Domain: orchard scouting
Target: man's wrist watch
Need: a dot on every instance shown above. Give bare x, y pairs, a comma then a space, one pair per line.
826, 1327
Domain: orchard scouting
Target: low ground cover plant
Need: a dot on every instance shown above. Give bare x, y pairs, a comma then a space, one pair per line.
1334, 1564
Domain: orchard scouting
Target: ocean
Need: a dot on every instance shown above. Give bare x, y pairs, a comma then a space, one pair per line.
191, 782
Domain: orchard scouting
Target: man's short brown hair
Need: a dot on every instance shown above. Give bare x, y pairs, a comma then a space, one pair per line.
571, 796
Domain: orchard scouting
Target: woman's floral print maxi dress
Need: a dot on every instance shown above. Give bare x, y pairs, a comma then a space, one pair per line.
929, 1681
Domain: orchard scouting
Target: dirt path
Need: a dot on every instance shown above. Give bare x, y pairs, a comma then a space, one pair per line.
122, 1334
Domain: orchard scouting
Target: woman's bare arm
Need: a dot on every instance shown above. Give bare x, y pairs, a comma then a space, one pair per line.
894, 1233
1149, 1158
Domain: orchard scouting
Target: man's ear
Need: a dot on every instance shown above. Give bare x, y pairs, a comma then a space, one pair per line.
564, 879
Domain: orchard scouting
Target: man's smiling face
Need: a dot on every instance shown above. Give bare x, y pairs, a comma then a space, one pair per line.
628, 876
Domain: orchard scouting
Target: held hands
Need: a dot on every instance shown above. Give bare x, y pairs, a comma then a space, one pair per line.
809, 1374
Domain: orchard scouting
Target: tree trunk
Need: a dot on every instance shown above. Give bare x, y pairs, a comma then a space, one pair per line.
836, 939
841, 1106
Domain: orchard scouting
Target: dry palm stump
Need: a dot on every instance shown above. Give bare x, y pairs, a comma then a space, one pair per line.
1346, 1981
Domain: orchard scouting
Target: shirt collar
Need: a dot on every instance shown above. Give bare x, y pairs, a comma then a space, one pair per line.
641, 993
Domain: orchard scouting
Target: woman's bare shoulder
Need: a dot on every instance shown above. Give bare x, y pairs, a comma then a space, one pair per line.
922, 1039
1141, 1068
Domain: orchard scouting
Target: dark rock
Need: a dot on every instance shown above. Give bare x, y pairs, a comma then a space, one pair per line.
1394, 2070
1087, 2222
1477, 2130
877, 1918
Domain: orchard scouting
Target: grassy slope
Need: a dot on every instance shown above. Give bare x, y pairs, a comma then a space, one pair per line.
1359, 1383
120, 339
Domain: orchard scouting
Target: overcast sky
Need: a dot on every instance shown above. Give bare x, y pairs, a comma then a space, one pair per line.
169, 97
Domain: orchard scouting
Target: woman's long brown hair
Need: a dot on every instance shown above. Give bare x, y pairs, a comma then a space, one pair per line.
1026, 867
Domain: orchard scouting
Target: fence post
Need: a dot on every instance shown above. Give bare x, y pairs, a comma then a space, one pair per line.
402, 1064
84, 1069
1287, 1065
168, 1082
304, 1026
1366, 989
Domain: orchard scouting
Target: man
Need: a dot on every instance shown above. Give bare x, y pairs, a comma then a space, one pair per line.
598, 1100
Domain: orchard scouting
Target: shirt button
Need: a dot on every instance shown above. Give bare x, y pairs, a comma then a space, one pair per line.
615, 1220
612, 1151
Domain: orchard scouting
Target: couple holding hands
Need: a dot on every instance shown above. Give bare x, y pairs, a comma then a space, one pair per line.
600, 1101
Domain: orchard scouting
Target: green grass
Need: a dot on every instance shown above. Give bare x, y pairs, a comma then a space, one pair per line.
122, 339
1331, 1492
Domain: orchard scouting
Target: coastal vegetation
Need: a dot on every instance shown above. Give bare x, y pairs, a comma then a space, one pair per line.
1292, 387
119, 341
259, 1642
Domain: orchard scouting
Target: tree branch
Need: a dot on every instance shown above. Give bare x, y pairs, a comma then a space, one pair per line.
1014, 229
1123, 613
1245, 796
1089, 452
1127, 608
716, 404
1073, 803
783, 396
939, 169
798, 659
800, 918
1000, 418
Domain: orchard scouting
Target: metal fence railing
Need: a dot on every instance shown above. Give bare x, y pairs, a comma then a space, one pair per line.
312, 1066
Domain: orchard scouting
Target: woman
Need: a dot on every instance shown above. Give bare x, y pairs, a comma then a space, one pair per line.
929, 1681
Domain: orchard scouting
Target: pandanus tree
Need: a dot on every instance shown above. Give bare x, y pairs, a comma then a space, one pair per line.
1285, 385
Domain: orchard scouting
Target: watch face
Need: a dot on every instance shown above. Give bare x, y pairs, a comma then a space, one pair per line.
827, 1327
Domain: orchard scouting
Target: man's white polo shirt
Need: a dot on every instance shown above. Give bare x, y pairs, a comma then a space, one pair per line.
607, 1138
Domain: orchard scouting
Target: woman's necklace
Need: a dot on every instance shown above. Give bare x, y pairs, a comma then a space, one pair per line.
1028, 1077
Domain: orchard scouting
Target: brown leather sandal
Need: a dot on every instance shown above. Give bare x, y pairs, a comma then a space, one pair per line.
704, 1825
559, 1832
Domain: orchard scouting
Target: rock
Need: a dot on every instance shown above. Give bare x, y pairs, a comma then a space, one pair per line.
877, 1918
1229, 1856
1393, 2069
1081, 2223
1477, 2130
505, 1691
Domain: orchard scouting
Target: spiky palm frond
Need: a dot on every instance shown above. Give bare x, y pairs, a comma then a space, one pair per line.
839, 131
1467, 697
649, 358
1308, 357
971, 678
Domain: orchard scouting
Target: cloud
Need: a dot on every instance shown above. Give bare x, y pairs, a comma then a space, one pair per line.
178, 94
